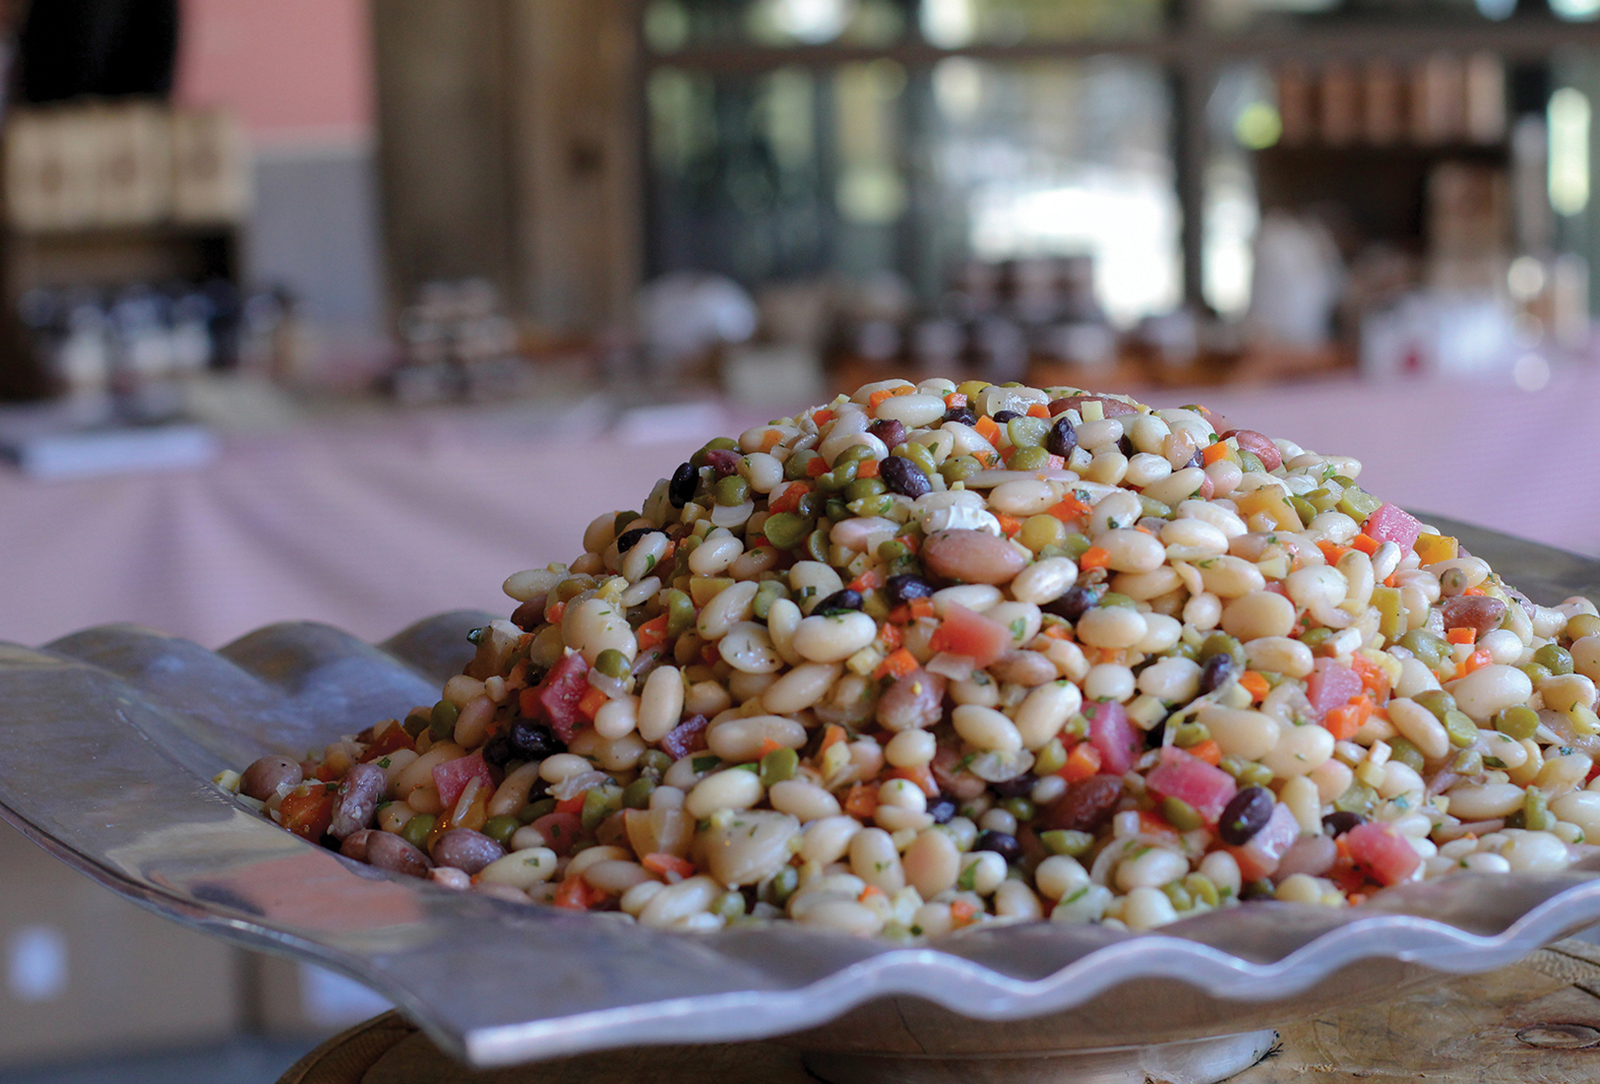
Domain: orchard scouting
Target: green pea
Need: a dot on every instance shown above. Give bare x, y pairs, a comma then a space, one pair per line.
856, 453
1357, 503
1535, 672
1462, 730
1437, 701
778, 765
1253, 774
1581, 625
598, 804
1026, 431
1076, 545
416, 830
786, 530
680, 613
1426, 646
794, 468
716, 444
769, 592
636, 795
443, 722
811, 504
1322, 500
1314, 638
1179, 895
1467, 762
1516, 722
1357, 798
1402, 750
1536, 815
732, 490
836, 510
1066, 841
959, 468
419, 720
1051, 759
892, 550
1153, 509
1034, 458
620, 524
654, 763
1076, 728
1191, 734
1181, 815
1020, 808
1220, 643
842, 476
817, 545
863, 488
1303, 508
1249, 461
1184, 649
782, 886
500, 828
613, 663
1202, 888
1112, 598
1554, 658
534, 810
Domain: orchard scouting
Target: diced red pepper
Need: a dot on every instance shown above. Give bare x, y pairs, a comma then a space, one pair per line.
1391, 523
1382, 852
560, 830
687, 737
1259, 857
555, 699
965, 632
392, 738
1189, 779
452, 777
1331, 686
307, 811
1117, 740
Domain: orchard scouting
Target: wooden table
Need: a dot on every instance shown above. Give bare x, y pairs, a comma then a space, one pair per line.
1536, 1021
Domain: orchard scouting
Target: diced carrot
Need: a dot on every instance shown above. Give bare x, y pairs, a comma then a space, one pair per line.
1343, 722
1331, 552
867, 468
861, 801
590, 703
1069, 510
822, 417
962, 912
870, 580
921, 607
710, 655
988, 429
869, 892
1214, 452
921, 776
891, 636
1463, 635
571, 805
789, 499
955, 399
878, 398
1475, 661
900, 615
770, 439
1082, 762
1373, 677
576, 894
816, 467
528, 703
767, 746
1366, 544
668, 865
1039, 410
1472, 591
1208, 751
555, 613
1009, 525
653, 632
897, 665
1152, 824
1058, 632
1055, 462
1095, 557
832, 735
1257, 686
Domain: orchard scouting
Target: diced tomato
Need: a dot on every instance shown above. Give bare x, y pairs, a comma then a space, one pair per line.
1083, 761
555, 699
1374, 678
896, 666
861, 801
560, 830
687, 737
1331, 686
1259, 857
1382, 852
452, 777
670, 866
392, 738
576, 894
307, 811
1188, 778
1118, 741
1393, 524
964, 632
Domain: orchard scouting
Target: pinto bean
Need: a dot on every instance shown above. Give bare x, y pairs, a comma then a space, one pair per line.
1311, 855
466, 850
972, 556
1113, 407
355, 844
963, 786
913, 702
1258, 444
1478, 612
1020, 667
385, 850
1088, 805
357, 799
263, 778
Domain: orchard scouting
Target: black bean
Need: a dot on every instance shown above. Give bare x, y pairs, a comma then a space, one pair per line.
1062, 438
533, 741
1125, 446
1006, 846
903, 476
1019, 787
905, 587
1079, 600
497, 751
630, 539
685, 480
1341, 821
1245, 815
964, 415
1217, 672
891, 431
1003, 416
942, 810
839, 602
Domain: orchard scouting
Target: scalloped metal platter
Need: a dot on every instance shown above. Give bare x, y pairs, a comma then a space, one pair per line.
109, 738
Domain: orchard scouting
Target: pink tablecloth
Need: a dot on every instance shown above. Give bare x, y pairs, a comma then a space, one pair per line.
368, 526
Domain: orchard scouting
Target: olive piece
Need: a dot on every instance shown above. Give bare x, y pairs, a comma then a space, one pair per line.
630, 539
1078, 600
1341, 821
905, 587
839, 602
732, 491
680, 491
1006, 846
942, 811
1003, 416
891, 431
1218, 671
903, 476
1245, 815
964, 415
497, 751
533, 741
1019, 787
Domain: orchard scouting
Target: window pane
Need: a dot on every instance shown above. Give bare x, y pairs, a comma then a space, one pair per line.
671, 25
1264, 14
952, 24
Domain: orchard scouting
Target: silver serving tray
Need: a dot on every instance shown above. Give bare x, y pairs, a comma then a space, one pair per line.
109, 738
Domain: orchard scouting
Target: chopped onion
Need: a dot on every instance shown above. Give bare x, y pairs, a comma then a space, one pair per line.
732, 515
954, 667
575, 785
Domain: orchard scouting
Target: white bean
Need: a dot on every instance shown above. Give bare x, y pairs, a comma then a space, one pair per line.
1044, 581
986, 729
732, 605
800, 688
661, 703
1419, 726
835, 637
733, 788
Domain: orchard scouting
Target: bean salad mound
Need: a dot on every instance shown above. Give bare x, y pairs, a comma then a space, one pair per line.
935, 655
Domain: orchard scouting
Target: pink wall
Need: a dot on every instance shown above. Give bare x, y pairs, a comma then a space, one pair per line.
294, 70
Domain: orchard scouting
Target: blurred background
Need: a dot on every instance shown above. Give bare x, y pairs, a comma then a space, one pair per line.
343, 310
